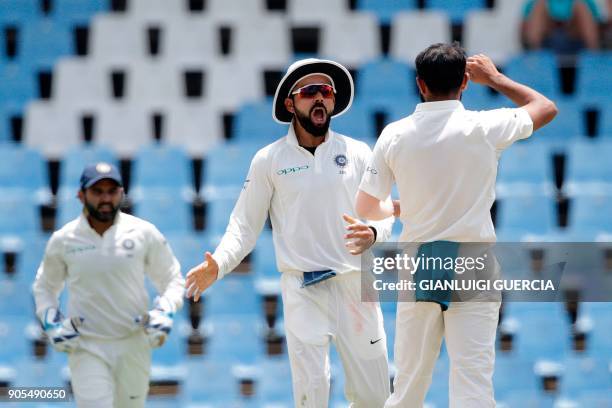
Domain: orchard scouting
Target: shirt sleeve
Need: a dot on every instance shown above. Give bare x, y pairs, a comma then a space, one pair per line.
502, 127
164, 270
378, 178
248, 217
383, 227
50, 277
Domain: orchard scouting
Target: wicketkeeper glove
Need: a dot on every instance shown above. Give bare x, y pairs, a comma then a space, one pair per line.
63, 333
157, 323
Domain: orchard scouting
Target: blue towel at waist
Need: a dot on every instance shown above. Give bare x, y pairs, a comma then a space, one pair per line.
314, 277
435, 272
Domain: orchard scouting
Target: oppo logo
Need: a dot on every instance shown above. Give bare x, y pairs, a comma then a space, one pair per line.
291, 170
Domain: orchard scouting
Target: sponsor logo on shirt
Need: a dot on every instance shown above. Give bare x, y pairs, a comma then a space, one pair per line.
341, 161
292, 170
371, 170
79, 249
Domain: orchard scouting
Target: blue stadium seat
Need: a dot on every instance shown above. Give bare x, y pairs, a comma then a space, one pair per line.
596, 399
264, 259
456, 8
357, 122
43, 42
218, 213
18, 85
19, 215
165, 209
76, 159
585, 373
68, 208
531, 214
234, 296
591, 214
235, 339
253, 124
525, 168
537, 69
69, 12
5, 123
275, 383
225, 169
478, 97
219, 382
568, 124
513, 373
159, 166
23, 171
17, 297
42, 372
189, 248
605, 120
385, 9
19, 11
15, 345
29, 257
385, 83
174, 350
592, 68
588, 167
529, 399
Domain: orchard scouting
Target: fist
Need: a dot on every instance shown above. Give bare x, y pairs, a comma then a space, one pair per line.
481, 69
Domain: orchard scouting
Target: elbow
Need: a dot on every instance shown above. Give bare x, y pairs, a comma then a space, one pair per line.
361, 206
551, 111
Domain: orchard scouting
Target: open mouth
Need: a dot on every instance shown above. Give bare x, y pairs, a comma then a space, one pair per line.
319, 116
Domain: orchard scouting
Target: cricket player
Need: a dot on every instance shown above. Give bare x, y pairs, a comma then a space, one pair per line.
307, 181
443, 159
103, 257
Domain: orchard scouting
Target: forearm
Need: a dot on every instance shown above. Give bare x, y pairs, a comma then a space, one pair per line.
370, 208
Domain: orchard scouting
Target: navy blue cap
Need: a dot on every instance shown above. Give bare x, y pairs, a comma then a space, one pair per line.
99, 171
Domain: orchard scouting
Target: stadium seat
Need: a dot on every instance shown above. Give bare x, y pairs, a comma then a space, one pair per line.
165, 209
157, 11
501, 41
155, 83
513, 373
236, 339
248, 37
525, 168
219, 382
584, 374
123, 127
6, 133
338, 39
412, 32
233, 296
17, 301
77, 12
382, 84
591, 68
605, 120
587, 167
253, 123
116, 39
19, 11
263, 262
188, 248
358, 123
19, 85
68, 208
275, 384
479, 97
194, 126
385, 10
43, 42
162, 167
12, 336
50, 129
229, 84
192, 42
235, 11
225, 169
595, 399
314, 12
529, 399
23, 171
218, 213
80, 84
567, 125
590, 214
455, 9
537, 69
34, 371
521, 215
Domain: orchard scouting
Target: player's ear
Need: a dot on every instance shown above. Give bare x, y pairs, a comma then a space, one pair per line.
465, 82
81, 196
289, 105
422, 86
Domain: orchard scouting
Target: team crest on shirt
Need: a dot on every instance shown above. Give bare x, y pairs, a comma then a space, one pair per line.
341, 161
128, 244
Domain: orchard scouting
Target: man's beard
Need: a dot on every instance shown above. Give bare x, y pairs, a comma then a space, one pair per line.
106, 216
306, 122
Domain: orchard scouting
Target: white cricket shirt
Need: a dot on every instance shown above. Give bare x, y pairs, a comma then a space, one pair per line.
306, 196
443, 159
105, 274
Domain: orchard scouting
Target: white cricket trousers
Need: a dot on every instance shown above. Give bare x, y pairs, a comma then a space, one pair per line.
469, 330
332, 310
111, 373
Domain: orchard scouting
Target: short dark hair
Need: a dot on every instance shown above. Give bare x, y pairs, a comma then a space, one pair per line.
442, 67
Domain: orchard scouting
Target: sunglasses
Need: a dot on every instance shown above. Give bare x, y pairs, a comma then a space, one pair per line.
310, 91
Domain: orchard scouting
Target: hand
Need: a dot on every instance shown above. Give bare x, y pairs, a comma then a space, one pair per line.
157, 323
63, 334
481, 69
396, 208
201, 277
361, 234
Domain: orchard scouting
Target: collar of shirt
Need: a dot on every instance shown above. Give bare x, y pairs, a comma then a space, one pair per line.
292, 137
439, 105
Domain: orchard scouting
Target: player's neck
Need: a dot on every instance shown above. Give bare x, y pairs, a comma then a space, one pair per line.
99, 226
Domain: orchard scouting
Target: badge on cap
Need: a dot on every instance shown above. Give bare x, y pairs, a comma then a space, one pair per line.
103, 168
